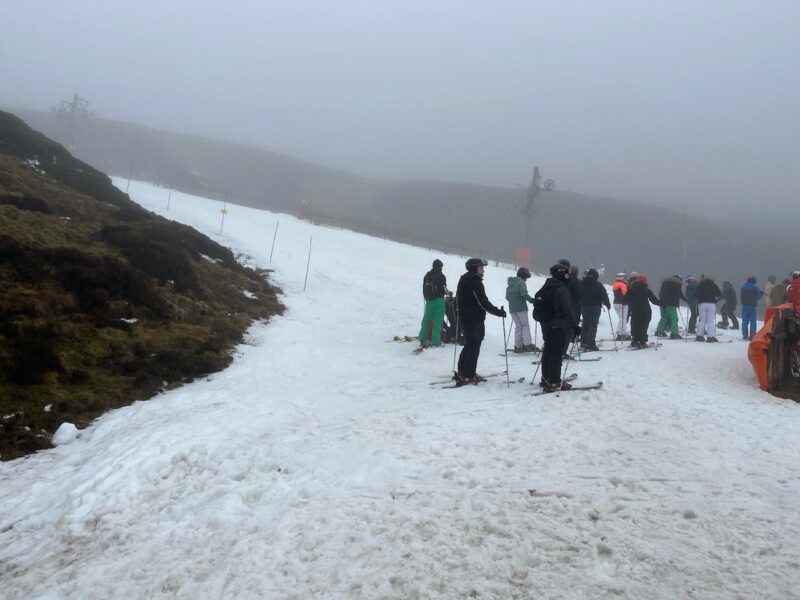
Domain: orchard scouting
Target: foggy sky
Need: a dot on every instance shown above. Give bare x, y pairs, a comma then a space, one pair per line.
687, 103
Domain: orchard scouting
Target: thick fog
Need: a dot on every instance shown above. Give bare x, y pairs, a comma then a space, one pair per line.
681, 103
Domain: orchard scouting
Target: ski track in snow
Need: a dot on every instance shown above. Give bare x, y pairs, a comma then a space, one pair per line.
322, 464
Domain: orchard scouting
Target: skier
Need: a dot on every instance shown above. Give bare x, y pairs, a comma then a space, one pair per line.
793, 292
517, 296
434, 289
728, 310
620, 288
778, 294
639, 298
708, 293
768, 288
670, 296
750, 295
691, 300
472, 308
593, 297
552, 308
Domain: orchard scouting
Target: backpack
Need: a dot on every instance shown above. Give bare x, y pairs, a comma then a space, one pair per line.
543, 308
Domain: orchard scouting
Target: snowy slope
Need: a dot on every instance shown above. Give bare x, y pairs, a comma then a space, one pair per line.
322, 464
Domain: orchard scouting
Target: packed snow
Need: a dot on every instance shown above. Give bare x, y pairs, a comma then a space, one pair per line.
323, 464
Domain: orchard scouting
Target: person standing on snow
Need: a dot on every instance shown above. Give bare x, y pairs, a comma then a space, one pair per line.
793, 292
593, 297
750, 294
691, 300
620, 289
670, 296
434, 289
639, 298
768, 288
552, 308
778, 294
708, 294
728, 310
517, 296
472, 308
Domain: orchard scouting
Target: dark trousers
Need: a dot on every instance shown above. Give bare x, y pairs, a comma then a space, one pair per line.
693, 316
554, 339
468, 359
591, 317
640, 321
728, 312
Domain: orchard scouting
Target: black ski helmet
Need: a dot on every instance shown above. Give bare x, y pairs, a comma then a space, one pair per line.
437, 264
473, 263
752, 279
523, 272
559, 271
565, 262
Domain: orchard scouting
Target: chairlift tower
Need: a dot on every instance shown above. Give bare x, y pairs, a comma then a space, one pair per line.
71, 112
535, 189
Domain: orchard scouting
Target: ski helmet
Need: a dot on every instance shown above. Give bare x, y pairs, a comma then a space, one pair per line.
523, 272
559, 271
795, 274
622, 276
437, 264
564, 261
771, 278
641, 278
473, 263
592, 274
752, 279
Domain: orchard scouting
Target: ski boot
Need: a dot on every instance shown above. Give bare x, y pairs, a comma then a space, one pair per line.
711, 339
675, 336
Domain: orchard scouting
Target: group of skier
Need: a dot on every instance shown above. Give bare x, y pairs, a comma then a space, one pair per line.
568, 309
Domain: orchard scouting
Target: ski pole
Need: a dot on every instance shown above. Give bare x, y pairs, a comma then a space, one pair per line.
455, 343
611, 324
508, 381
507, 339
535, 333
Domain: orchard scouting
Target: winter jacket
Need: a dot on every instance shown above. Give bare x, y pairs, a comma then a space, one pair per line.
729, 295
707, 292
768, 289
750, 294
563, 315
574, 288
639, 298
671, 293
434, 284
620, 288
472, 301
593, 293
691, 291
517, 295
793, 292
778, 294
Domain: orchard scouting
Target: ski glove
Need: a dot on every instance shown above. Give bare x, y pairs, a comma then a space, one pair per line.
503, 312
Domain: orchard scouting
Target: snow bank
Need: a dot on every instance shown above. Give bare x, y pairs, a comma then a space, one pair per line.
65, 434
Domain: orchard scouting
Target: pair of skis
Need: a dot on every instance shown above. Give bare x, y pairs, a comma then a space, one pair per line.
574, 388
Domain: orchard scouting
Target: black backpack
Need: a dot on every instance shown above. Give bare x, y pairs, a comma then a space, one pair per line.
543, 308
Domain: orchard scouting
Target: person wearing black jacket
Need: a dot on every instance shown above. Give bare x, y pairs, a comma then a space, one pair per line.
593, 296
472, 308
638, 299
559, 324
670, 296
574, 288
434, 289
708, 293
728, 310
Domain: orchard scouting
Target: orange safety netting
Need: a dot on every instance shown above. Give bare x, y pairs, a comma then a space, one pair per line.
758, 351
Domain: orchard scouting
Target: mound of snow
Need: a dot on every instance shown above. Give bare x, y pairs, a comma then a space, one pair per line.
65, 434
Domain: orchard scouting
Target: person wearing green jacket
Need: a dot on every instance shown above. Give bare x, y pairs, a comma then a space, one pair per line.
517, 296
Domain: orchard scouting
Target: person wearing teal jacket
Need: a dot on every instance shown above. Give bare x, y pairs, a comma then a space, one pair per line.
517, 296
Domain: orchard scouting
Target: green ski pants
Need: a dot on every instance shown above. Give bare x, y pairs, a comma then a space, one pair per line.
670, 312
434, 312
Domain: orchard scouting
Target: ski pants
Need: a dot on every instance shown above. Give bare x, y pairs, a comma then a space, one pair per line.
591, 317
707, 320
668, 313
692, 316
748, 321
522, 329
622, 315
554, 339
728, 312
434, 315
640, 321
468, 359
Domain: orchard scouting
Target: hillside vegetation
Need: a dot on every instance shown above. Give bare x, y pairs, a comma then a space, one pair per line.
101, 302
